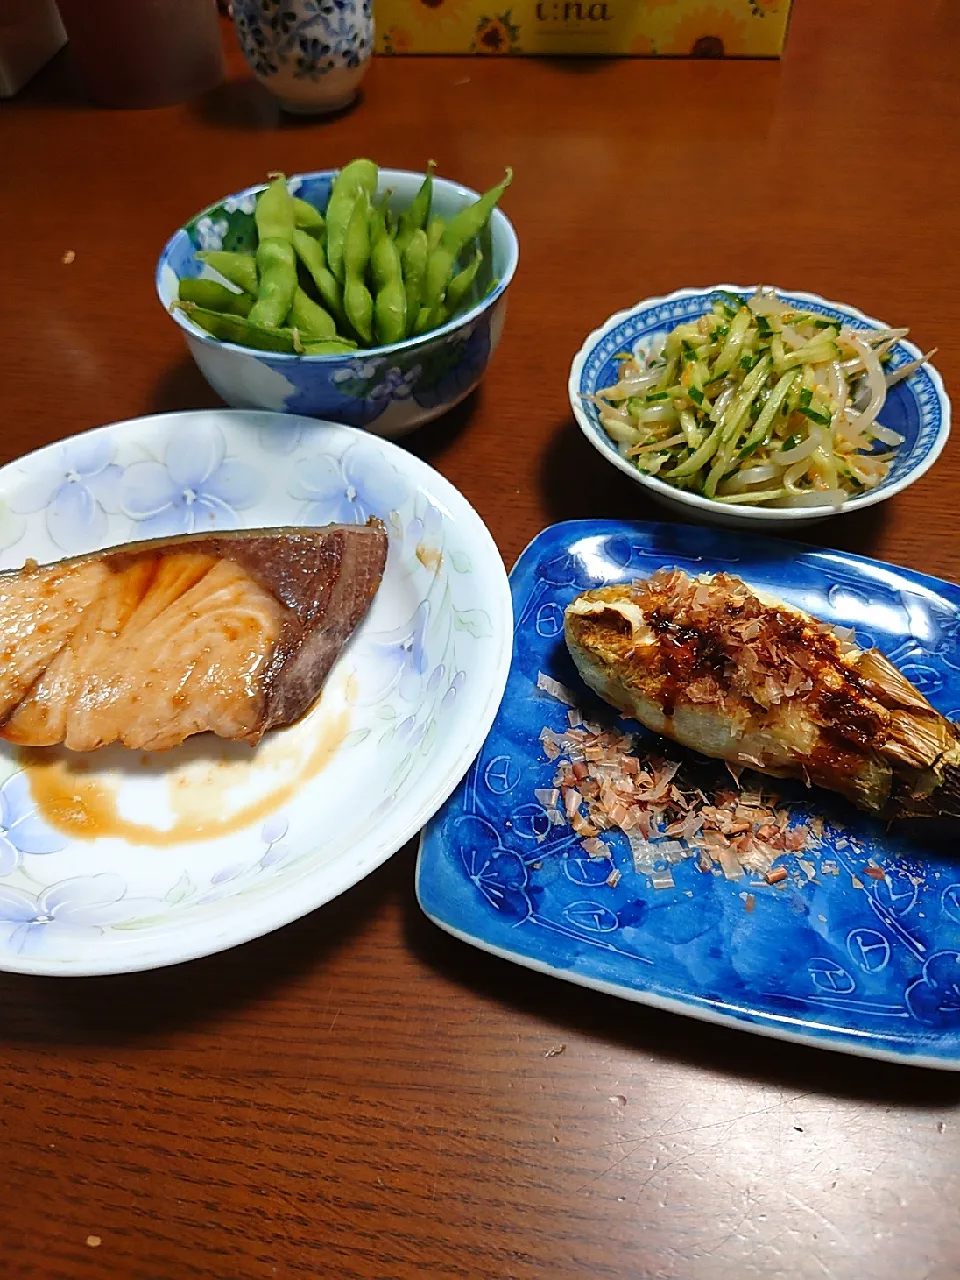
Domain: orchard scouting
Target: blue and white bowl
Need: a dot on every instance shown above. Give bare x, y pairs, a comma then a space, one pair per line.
918, 408
389, 390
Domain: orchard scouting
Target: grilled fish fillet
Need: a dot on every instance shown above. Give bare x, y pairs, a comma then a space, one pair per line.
148, 643
735, 675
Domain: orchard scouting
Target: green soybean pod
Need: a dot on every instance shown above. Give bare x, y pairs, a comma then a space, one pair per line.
274, 215
314, 324
228, 328
414, 267
378, 218
357, 300
469, 222
384, 262
329, 347
239, 268
390, 302
427, 318
311, 254
277, 268
307, 218
215, 297
440, 264
435, 229
359, 176
390, 312
461, 284
417, 213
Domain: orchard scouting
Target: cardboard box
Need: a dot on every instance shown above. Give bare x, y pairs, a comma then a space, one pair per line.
631, 28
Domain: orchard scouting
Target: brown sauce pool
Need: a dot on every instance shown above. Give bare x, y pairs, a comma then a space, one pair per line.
85, 807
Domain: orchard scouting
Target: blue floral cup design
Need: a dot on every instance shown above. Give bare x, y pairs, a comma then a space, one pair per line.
311, 53
388, 390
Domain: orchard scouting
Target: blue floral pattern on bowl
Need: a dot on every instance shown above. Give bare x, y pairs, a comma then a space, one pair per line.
388, 390
410, 699
917, 408
833, 957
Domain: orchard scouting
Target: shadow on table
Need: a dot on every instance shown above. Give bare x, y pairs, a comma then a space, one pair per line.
567, 1009
55, 87
123, 1008
432, 441
245, 105
182, 386
577, 483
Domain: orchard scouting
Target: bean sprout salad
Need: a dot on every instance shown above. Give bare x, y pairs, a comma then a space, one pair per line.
761, 403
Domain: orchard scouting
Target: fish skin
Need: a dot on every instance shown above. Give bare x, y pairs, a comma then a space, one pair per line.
862, 729
145, 644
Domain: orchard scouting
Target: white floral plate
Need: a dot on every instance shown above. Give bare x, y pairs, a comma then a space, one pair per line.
118, 861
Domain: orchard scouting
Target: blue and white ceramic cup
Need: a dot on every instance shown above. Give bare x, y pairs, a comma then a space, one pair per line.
311, 54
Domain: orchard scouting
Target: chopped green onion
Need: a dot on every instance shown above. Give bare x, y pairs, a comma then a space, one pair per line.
755, 381
821, 419
731, 300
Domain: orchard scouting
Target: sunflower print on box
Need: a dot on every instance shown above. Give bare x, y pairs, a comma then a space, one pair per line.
637, 28
496, 34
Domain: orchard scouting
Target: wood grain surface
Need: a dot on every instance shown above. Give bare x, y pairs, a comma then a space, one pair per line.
359, 1095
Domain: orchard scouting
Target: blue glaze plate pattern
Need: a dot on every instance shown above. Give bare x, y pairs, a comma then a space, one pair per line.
831, 957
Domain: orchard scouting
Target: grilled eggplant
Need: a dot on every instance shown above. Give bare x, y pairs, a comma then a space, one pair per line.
735, 675
148, 643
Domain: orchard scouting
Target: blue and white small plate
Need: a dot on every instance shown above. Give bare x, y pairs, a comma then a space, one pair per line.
196, 849
918, 408
832, 957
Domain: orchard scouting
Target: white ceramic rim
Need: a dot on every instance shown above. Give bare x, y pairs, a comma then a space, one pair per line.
742, 511
288, 903
362, 353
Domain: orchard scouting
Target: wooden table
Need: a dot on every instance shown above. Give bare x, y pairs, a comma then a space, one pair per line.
358, 1094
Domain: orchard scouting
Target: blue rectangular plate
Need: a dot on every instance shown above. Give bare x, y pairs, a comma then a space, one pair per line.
843, 961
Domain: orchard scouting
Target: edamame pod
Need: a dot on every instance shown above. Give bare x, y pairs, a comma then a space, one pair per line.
378, 218
435, 229
314, 324
414, 264
227, 328
440, 266
427, 318
417, 214
357, 300
461, 284
214, 296
239, 268
360, 176
390, 303
311, 254
470, 221
277, 268
384, 262
274, 214
307, 218
329, 347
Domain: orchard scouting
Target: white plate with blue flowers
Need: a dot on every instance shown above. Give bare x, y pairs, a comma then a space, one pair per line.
214, 843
